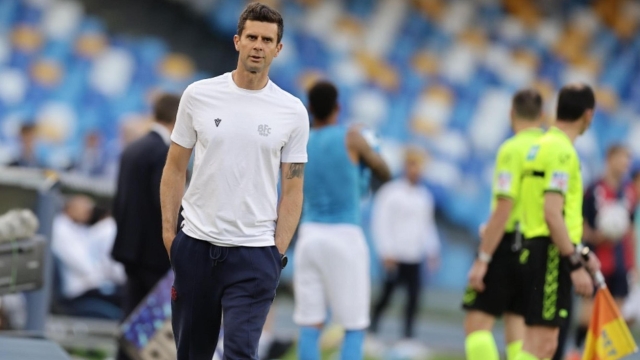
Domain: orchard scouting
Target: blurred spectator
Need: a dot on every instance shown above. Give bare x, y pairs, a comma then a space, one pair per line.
81, 240
139, 245
616, 255
405, 232
93, 160
28, 156
631, 308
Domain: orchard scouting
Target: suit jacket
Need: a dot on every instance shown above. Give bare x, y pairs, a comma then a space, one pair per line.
136, 207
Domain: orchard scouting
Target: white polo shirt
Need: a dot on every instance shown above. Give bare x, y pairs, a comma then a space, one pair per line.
240, 138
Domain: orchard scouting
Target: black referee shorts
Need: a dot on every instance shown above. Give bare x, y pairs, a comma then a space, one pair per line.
547, 294
503, 282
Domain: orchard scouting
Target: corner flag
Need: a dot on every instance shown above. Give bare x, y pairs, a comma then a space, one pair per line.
609, 337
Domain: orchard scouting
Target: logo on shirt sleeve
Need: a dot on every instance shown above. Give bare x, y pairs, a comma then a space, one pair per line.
559, 181
503, 183
218, 121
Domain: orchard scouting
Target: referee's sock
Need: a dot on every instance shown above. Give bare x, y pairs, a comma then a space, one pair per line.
513, 349
480, 345
352, 345
308, 348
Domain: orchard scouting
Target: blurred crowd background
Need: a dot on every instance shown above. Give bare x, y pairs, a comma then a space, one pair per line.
78, 78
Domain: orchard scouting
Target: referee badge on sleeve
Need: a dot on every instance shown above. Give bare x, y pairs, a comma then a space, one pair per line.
559, 181
503, 183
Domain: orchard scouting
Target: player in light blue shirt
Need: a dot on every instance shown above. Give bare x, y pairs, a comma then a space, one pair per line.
331, 263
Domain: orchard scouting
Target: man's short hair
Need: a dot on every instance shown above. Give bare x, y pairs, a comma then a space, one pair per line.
415, 153
165, 109
27, 128
263, 13
323, 100
616, 149
573, 101
527, 104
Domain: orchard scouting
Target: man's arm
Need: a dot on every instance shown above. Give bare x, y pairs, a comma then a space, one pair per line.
553, 205
381, 223
290, 206
357, 143
590, 234
494, 230
172, 189
490, 238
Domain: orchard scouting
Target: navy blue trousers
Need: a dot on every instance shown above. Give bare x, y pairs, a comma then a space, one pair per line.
212, 281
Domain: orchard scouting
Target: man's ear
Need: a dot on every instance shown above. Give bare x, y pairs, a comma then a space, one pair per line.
278, 49
236, 40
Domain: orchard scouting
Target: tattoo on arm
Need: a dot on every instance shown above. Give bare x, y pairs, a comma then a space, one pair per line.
296, 170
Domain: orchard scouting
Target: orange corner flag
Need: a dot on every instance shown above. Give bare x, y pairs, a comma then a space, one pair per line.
609, 337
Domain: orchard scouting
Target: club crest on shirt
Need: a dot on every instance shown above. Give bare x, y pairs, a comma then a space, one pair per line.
559, 181
218, 121
264, 130
503, 181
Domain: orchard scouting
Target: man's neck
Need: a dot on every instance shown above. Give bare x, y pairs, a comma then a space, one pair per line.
571, 128
248, 80
522, 125
318, 124
412, 182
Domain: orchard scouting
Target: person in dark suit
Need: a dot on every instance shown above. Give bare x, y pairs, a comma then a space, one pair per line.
136, 207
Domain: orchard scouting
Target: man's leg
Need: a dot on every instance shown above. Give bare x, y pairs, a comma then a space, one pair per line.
349, 288
548, 298
308, 348
411, 275
250, 279
563, 334
310, 309
513, 335
479, 343
390, 283
540, 342
484, 307
195, 298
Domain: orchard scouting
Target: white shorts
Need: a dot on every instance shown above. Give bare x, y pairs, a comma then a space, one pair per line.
331, 271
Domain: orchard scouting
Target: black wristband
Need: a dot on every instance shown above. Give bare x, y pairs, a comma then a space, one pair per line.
575, 260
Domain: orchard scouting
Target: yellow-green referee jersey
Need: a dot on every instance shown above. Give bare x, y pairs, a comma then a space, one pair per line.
552, 164
508, 171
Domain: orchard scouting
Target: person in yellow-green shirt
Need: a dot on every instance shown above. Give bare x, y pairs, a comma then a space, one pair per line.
551, 205
495, 279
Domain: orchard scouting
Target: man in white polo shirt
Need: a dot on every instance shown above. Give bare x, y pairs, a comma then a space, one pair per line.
228, 256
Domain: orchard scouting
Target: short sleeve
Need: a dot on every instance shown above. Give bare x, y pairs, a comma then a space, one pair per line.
506, 180
560, 164
184, 133
295, 150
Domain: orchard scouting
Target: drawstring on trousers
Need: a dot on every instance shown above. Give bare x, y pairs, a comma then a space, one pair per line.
219, 254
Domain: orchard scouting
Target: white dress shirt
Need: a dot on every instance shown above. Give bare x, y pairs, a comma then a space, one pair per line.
403, 222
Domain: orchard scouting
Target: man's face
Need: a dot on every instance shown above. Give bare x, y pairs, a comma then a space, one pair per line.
619, 163
258, 45
413, 169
